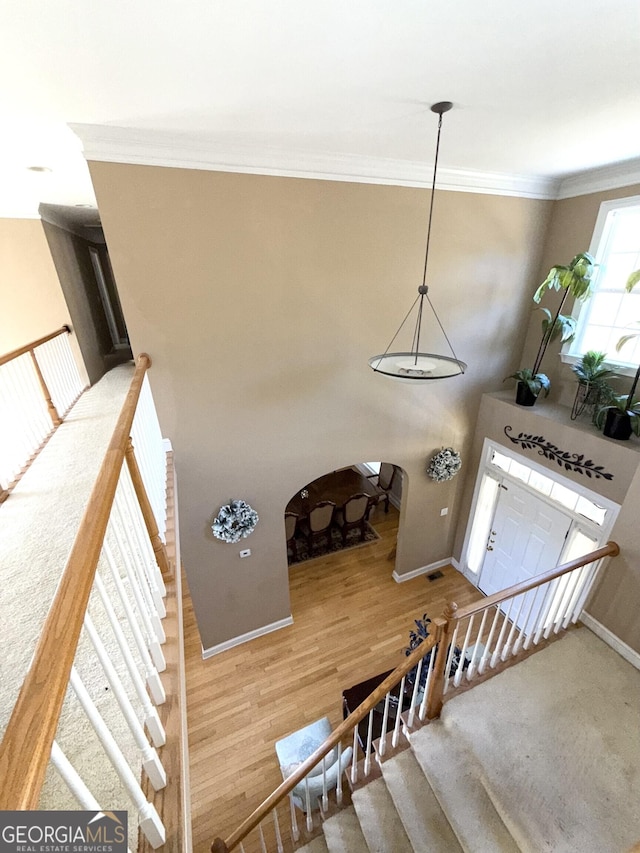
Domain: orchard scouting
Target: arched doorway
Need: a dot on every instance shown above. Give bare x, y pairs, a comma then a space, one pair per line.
344, 509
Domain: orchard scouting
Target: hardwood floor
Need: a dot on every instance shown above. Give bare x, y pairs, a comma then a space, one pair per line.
351, 621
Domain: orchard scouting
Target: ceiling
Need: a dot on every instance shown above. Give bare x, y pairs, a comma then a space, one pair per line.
541, 89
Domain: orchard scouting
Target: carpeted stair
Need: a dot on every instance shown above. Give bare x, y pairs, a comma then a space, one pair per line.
527, 762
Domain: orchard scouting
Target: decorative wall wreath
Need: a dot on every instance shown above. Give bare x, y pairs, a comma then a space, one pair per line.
444, 465
235, 521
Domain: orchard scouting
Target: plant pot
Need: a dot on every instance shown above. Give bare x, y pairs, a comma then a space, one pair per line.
617, 425
524, 395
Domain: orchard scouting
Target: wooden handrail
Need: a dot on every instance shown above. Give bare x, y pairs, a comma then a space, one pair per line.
336, 736
16, 353
611, 549
26, 747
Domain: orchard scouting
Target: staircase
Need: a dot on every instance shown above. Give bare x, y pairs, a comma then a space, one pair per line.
429, 798
503, 770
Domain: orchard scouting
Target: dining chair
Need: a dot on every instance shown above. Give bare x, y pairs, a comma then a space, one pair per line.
353, 513
291, 528
384, 481
319, 523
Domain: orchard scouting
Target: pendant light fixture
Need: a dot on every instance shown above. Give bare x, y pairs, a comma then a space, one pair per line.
415, 365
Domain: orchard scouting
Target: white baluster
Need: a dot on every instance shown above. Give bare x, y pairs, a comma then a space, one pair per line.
325, 792
457, 678
505, 621
150, 652
150, 761
452, 649
425, 693
396, 729
71, 778
276, 826
147, 557
382, 747
136, 568
539, 621
523, 635
588, 574
514, 625
307, 797
294, 820
151, 718
152, 638
487, 649
556, 605
471, 669
148, 819
367, 757
263, 846
339, 780
354, 757
414, 693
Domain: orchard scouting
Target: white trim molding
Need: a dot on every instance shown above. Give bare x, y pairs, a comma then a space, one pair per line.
607, 636
245, 638
611, 177
190, 151
424, 570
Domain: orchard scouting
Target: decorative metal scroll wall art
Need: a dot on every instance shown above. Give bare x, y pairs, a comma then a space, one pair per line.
565, 459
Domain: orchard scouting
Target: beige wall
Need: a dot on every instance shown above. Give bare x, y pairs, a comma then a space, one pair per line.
260, 300
31, 301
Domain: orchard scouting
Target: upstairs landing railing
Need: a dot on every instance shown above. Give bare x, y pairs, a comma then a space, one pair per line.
112, 594
467, 645
39, 383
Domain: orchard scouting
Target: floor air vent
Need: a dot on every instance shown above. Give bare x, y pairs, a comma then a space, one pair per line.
434, 576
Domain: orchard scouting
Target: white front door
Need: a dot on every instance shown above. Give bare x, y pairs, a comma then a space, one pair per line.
526, 539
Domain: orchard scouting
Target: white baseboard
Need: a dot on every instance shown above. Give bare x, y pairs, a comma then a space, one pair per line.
244, 638
455, 564
424, 570
610, 639
166, 443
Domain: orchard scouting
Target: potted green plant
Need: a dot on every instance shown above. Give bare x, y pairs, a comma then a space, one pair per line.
575, 280
594, 390
529, 386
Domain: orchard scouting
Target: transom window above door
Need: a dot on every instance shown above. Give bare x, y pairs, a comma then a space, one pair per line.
556, 492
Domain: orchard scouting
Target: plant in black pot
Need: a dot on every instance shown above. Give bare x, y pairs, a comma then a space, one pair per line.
594, 390
622, 416
573, 280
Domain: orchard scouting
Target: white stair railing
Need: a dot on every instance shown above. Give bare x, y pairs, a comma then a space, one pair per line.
39, 383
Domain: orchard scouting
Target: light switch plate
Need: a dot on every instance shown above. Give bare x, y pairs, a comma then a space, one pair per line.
245, 553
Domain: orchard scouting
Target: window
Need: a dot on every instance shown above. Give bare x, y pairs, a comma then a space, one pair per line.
612, 312
558, 493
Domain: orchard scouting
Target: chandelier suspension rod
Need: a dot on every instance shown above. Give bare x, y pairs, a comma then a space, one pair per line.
433, 193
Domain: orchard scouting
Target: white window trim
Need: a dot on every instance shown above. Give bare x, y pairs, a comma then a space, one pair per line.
566, 356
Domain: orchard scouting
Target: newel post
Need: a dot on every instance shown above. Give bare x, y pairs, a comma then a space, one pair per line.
219, 846
445, 628
147, 512
53, 412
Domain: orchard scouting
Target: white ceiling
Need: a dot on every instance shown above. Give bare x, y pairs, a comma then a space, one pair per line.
542, 89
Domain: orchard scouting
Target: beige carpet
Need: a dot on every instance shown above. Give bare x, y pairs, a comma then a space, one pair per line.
558, 740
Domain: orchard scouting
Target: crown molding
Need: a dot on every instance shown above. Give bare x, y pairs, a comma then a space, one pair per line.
597, 180
186, 151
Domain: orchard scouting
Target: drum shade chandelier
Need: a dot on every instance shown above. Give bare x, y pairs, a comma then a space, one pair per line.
416, 365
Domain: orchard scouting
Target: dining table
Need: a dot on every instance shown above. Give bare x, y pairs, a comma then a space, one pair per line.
337, 486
